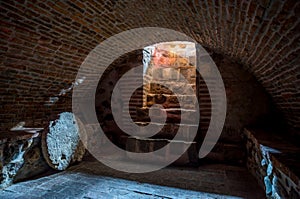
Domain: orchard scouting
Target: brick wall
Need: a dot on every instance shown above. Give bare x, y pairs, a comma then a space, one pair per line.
105, 88
171, 79
247, 104
43, 44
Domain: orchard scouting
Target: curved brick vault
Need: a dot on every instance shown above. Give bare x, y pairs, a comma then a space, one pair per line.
43, 43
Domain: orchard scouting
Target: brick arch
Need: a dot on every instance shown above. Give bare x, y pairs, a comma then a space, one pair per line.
44, 43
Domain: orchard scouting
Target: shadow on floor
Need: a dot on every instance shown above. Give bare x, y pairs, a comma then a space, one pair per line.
92, 179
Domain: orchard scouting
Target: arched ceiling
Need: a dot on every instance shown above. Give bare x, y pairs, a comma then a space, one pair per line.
43, 43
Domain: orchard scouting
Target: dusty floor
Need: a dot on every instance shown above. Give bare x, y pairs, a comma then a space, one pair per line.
91, 179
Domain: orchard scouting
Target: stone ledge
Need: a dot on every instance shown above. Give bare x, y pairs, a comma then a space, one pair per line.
14, 136
170, 130
146, 145
272, 160
174, 115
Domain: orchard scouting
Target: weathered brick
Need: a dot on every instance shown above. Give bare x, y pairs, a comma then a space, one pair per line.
55, 38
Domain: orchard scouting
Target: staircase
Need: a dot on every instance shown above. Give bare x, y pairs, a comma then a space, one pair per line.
167, 73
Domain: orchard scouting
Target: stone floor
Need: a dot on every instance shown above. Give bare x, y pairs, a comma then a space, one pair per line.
91, 179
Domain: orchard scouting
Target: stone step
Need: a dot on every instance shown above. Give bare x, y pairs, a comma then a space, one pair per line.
171, 87
222, 152
172, 101
171, 74
174, 115
170, 130
141, 145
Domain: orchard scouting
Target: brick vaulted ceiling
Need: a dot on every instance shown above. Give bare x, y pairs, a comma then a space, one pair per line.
43, 43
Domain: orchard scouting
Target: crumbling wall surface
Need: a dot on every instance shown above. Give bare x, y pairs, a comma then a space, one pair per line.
21, 158
272, 160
